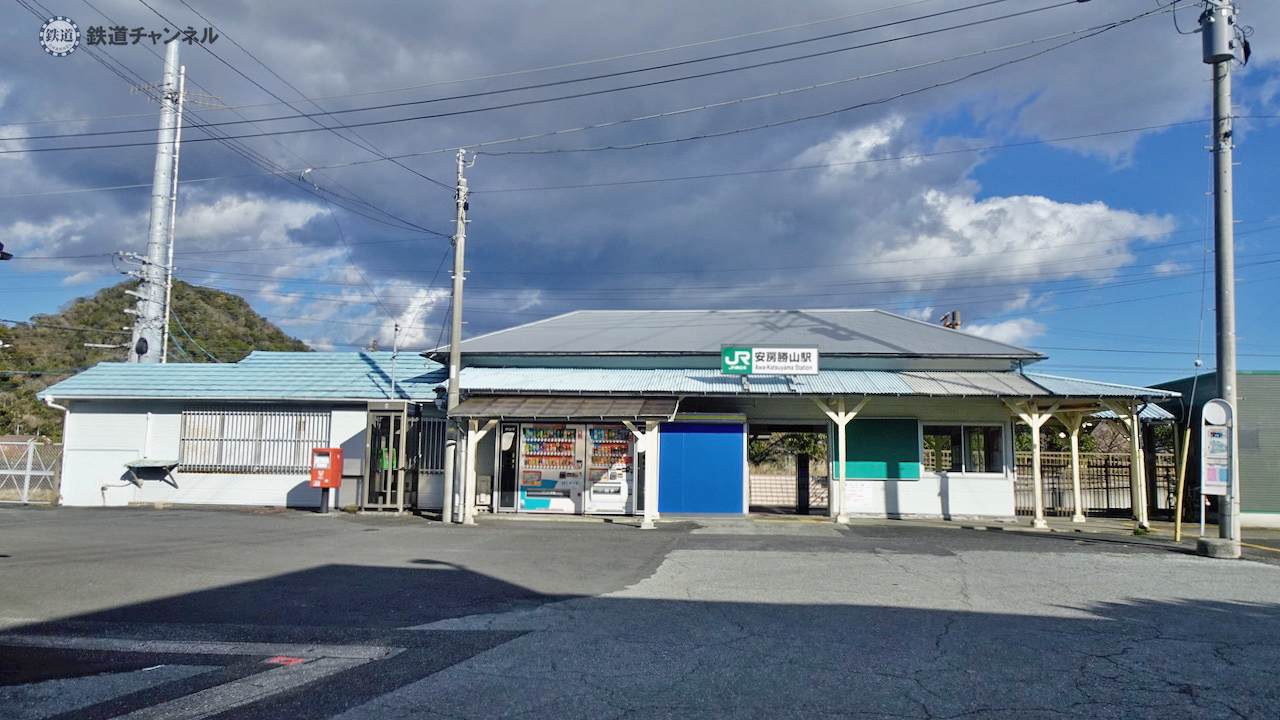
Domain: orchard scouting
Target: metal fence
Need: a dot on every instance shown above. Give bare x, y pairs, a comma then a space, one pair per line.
431, 437
30, 472
1104, 483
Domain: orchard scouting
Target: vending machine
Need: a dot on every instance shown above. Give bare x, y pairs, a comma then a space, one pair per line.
610, 463
551, 468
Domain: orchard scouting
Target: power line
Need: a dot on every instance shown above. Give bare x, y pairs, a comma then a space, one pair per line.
496, 76
679, 178
591, 93
239, 148
187, 335
825, 166
46, 326
815, 116
368, 146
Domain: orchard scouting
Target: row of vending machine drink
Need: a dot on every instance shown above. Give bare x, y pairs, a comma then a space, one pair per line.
575, 469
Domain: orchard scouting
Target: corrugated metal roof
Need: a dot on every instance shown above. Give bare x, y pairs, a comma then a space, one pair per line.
1149, 411
826, 382
367, 376
1072, 387
261, 376
833, 332
1002, 384
561, 407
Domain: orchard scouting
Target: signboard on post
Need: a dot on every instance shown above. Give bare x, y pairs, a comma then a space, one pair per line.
1215, 448
743, 360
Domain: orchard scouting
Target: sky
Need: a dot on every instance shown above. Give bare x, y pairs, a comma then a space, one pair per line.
1040, 167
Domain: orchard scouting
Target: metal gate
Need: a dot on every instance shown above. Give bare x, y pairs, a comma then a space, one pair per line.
30, 472
1104, 483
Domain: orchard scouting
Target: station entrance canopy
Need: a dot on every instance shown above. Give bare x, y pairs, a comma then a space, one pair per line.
567, 407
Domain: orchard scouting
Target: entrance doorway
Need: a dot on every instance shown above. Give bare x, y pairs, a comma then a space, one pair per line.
789, 469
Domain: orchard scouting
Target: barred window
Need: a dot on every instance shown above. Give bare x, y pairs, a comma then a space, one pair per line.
248, 440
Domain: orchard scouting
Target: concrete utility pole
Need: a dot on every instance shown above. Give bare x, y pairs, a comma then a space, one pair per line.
173, 217
1218, 37
149, 312
455, 344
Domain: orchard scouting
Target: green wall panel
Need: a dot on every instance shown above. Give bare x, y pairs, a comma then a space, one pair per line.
882, 450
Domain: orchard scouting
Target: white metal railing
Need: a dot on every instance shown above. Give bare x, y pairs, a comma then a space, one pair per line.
29, 472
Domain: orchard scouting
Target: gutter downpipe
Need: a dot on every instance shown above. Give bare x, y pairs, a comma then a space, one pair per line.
66, 415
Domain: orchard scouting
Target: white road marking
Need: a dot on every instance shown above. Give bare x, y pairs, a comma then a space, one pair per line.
319, 661
229, 696
353, 652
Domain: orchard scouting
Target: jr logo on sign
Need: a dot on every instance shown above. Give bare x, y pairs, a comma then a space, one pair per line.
735, 360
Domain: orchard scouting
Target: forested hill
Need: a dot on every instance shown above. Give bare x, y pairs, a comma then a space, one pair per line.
206, 326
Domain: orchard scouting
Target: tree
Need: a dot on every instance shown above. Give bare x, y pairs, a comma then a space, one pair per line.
780, 448
206, 326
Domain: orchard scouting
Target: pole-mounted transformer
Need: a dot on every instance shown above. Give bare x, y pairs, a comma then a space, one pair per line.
1218, 32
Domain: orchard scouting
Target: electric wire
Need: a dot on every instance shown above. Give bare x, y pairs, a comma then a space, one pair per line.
681, 178
511, 73
187, 335
367, 146
584, 94
622, 73
814, 116
45, 326
138, 83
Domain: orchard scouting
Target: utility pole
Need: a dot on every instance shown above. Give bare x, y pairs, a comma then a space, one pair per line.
149, 312
173, 216
1218, 36
455, 346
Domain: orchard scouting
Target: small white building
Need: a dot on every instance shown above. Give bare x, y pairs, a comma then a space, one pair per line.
243, 433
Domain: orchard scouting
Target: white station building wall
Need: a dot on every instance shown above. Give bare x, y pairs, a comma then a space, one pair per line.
100, 437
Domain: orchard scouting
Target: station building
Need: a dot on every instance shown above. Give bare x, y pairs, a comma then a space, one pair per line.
920, 416
645, 413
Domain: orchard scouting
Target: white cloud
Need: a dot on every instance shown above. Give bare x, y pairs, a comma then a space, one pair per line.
925, 230
248, 220
898, 234
1017, 331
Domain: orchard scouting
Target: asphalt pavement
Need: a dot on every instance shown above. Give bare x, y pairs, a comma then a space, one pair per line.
177, 613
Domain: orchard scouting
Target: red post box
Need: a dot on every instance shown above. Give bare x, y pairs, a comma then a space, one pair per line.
326, 468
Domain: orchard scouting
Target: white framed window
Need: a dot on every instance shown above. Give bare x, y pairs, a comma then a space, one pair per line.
251, 440
961, 448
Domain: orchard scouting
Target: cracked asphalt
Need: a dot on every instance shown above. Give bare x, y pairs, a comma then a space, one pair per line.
186, 613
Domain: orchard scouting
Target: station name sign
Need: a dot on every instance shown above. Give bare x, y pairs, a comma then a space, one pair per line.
740, 360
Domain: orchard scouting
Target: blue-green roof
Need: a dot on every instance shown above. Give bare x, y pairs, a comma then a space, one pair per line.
262, 376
